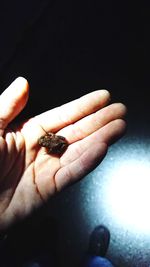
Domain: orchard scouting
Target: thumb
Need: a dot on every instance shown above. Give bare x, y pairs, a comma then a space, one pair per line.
12, 101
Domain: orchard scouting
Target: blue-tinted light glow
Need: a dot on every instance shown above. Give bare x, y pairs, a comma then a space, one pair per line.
128, 194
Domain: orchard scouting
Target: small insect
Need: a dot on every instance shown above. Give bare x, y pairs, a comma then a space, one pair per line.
54, 144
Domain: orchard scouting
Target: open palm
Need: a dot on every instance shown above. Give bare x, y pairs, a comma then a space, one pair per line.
29, 175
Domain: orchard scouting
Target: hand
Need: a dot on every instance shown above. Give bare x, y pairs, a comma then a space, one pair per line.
29, 175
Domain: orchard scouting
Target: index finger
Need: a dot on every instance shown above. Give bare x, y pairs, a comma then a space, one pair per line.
71, 112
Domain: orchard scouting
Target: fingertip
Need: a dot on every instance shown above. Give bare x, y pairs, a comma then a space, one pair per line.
119, 109
121, 124
123, 108
106, 93
13, 100
21, 82
20, 79
100, 98
119, 127
104, 96
21, 87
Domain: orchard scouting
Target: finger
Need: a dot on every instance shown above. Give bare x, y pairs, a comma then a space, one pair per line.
86, 154
93, 122
82, 165
66, 114
111, 132
107, 134
12, 101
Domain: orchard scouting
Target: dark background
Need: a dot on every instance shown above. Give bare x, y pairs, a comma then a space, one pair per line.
68, 48
74, 47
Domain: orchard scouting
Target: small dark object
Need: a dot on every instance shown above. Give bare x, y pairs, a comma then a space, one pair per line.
99, 241
55, 144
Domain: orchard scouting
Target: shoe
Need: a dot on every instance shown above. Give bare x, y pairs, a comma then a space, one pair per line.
99, 241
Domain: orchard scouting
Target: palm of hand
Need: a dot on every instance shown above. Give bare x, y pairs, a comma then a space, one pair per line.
29, 175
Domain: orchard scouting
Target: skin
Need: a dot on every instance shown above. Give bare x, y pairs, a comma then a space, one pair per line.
29, 175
